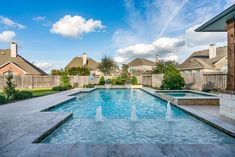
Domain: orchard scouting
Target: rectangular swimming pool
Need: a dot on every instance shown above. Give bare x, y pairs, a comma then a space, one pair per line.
151, 126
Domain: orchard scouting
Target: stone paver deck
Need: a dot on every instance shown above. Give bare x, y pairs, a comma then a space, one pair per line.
21, 123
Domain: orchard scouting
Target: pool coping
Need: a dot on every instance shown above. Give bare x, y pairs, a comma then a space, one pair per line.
212, 121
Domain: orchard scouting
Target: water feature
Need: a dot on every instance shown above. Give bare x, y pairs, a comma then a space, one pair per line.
168, 111
98, 116
118, 128
133, 113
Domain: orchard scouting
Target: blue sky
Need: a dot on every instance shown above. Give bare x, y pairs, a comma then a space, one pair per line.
51, 33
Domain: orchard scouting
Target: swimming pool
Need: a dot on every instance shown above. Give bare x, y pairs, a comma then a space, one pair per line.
151, 125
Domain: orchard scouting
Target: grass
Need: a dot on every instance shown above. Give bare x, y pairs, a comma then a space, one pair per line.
36, 92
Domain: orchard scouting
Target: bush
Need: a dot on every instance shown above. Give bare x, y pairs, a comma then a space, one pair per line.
76, 85
102, 81
2, 99
20, 95
114, 81
208, 87
108, 81
59, 88
88, 86
120, 81
172, 79
128, 82
134, 80
65, 81
9, 90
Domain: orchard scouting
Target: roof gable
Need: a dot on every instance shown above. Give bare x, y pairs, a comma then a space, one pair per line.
141, 61
21, 62
78, 62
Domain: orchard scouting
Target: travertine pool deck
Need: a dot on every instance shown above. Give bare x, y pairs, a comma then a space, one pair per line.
21, 123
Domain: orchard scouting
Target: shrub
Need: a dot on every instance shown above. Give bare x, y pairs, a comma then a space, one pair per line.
208, 87
65, 81
114, 81
9, 90
172, 79
59, 88
120, 81
134, 80
102, 81
76, 85
128, 82
20, 95
88, 86
2, 99
108, 81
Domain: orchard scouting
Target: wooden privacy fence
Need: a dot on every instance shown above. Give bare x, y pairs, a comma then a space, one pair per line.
35, 81
219, 79
197, 79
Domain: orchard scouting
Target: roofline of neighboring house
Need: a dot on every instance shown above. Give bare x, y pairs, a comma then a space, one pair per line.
14, 64
220, 60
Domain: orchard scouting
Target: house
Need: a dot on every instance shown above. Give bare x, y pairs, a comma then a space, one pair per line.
16, 64
84, 61
213, 59
140, 65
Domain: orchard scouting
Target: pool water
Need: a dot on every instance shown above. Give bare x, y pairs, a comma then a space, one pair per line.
150, 127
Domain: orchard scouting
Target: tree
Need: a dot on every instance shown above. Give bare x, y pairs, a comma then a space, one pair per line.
9, 90
102, 81
81, 71
134, 80
107, 65
125, 74
65, 81
161, 66
56, 72
172, 79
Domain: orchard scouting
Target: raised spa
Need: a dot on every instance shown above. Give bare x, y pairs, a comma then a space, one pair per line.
128, 117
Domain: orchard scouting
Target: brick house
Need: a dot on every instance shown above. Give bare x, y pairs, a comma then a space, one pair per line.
16, 64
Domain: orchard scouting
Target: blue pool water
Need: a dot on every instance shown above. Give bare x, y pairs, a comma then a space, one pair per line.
151, 126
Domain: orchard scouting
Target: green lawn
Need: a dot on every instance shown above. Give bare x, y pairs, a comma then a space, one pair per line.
36, 92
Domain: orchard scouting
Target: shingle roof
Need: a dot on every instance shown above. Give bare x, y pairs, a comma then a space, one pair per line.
140, 61
201, 60
78, 62
5, 56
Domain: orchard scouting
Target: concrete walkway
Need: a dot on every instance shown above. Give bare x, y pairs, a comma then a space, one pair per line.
21, 123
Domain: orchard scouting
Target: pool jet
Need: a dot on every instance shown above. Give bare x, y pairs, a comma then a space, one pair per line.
98, 116
133, 113
168, 111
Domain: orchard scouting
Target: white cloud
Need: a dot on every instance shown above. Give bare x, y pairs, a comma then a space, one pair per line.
44, 66
166, 48
7, 36
39, 18
8, 22
75, 26
193, 38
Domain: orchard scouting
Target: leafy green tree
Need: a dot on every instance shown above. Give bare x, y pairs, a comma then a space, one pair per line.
84, 71
65, 81
56, 72
161, 66
81, 71
134, 80
107, 65
102, 80
125, 74
172, 79
73, 71
9, 90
